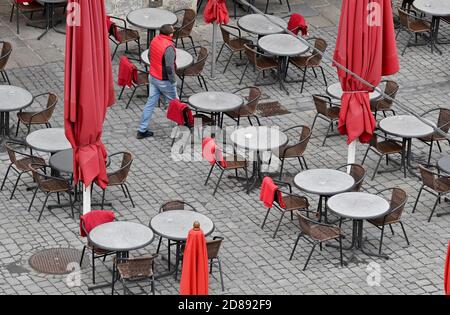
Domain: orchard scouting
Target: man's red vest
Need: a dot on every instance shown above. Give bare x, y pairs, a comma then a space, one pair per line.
158, 48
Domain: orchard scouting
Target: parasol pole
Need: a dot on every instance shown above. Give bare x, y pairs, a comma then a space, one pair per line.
351, 156
214, 44
86, 199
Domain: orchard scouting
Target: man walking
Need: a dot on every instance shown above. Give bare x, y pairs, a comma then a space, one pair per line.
162, 76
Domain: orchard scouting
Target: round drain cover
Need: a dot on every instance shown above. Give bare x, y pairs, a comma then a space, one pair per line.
56, 261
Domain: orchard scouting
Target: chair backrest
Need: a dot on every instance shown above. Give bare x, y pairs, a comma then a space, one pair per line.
11, 151
254, 95
51, 105
140, 267
398, 202
428, 177
213, 247
320, 45
322, 103
199, 65
189, 18
444, 120
5, 54
403, 18
91, 220
226, 34
304, 135
305, 224
251, 53
121, 174
176, 205
391, 89
358, 172
43, 180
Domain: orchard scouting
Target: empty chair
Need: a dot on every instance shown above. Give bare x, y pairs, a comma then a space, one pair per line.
415, 26
311, 61
281, 2
295, 149
233, 42
49, 185
185, 29
41, 117
326, 110
119, 177
4, 57
435, 183
316, 233
259, 61
19, 162
358, 172
134, 270
122, 35
443, 123
196, 69
394, 216
24, 7
385, 104
248, 109
383, 148
213, 249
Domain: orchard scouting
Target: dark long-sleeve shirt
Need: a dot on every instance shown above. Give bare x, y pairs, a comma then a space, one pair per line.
169, 65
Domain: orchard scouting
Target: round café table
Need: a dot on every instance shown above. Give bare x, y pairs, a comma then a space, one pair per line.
444, 164
261, 25
359, 207
283, 46
120, 237
215, 103
325, 183
183, 59
258, 140
50, 16
437, 9
407, 127
50, 140
62, 161
12, 99
335, 91
175, 226
151, 19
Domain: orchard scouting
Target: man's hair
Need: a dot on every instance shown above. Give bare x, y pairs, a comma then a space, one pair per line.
166, 29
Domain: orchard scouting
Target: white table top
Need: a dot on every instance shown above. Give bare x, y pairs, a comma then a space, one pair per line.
444, 164
358, 206
260, 25
215, 102
62, 161
406, 126
184, 59
49, 140
151, 18
335, 91
283, 45
324, 182
121, 236
176, 224
14, 98
433, 7
259, 138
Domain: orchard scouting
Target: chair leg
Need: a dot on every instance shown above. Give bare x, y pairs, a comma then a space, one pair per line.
381, 240
6, 176
243, 74
129, 195
304, 161
12, 12
159, 245
121, 93
278, 226
209, 175
43, 206
324, 76
228, 62
434, 208
182, 86
71, 204
326, 135
17, 128
295, 245
417, 200
309, 257
377, 167
431, 152
103, 198
404, 232
303, 80
265, 218
282, 168
365, 156
218, 182
220, 52
204, 82
32, 199
93, 266
15, 186
340, 251
82, 255
131, 98
220, 273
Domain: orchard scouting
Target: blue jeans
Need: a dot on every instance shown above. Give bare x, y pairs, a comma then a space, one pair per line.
157, 88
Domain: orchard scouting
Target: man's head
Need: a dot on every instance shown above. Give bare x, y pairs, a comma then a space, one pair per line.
167, 30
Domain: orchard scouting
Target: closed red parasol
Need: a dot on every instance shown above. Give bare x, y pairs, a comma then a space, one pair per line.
447, 272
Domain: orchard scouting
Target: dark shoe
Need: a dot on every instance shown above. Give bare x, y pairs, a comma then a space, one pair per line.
143, 135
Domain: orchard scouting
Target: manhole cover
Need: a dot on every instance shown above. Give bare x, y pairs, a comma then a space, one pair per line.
55, 261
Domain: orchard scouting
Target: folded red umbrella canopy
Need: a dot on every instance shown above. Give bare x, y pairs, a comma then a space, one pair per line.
88, 89
216, 11
447, 272
366, 46
194, 276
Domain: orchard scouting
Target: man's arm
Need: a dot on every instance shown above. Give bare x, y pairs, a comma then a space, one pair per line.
169, 58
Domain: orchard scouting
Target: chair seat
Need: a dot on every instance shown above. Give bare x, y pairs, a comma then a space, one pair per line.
390, 219
381, 105
240, 112
130, 270
389, 147
115, 179
232, 164
333, 113
23, 164
303, 61
98, 251
128, 35
206, 120
30, 7
294, 152
237, 44
39, 119
266, 63
434, 137
324, 233
418, 26
143, 79
295, 203
443, 185
55, 186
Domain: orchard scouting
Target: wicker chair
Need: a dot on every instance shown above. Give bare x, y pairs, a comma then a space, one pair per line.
326, 110
358, 172
28, 7
293, 203
125, 35
120, 176
96, 253
249, 108
142, 81
4, 57
267, 5
415, 26
435, 183
213, 248
384, 104
311, 61
317, 233
383, 149
295, 150
398, 202
196, 69
38, 118
234, 43
259, 61
19, 162
187, 25
49, 185
443, 123
134, 270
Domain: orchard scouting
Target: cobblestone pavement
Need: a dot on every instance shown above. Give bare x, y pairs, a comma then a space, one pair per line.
253, 262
